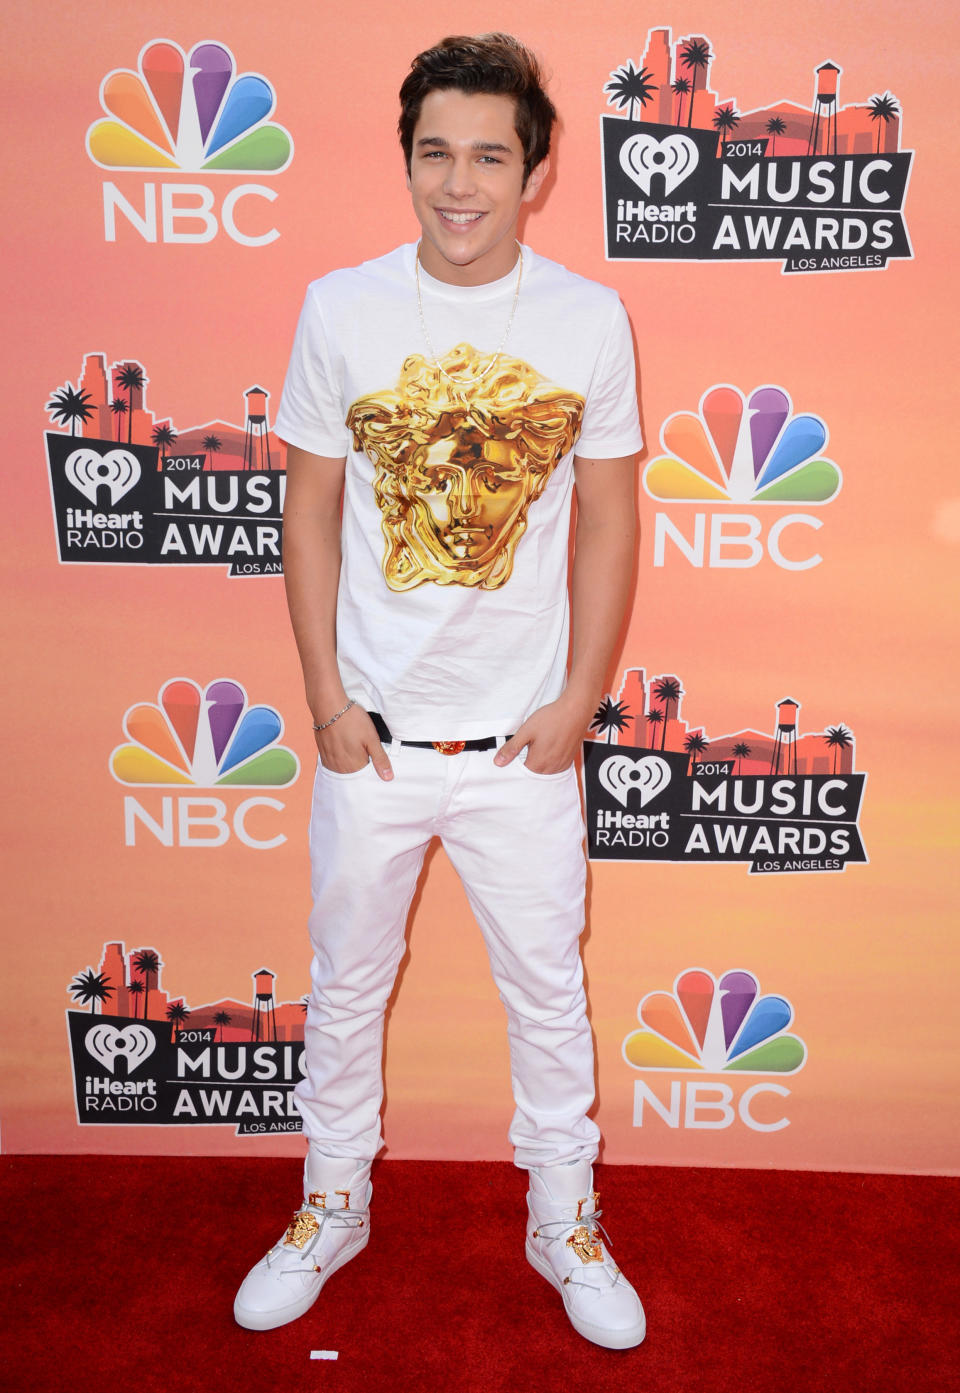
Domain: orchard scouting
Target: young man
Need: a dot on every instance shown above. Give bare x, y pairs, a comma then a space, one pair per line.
453, 393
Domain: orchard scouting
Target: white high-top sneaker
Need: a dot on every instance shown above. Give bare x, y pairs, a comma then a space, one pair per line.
332, 1227
565, 1243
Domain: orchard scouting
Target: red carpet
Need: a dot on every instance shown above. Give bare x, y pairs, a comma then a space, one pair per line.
120, 1273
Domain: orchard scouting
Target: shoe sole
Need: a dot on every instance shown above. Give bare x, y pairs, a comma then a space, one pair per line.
270, 1320
609, 1339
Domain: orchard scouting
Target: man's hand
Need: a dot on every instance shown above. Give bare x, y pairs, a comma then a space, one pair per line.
350, 743
552, 736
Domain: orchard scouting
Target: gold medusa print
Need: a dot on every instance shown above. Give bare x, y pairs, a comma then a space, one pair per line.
460, 455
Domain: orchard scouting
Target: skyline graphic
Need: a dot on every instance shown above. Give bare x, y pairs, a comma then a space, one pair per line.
109, 406
122, 981
671, 86
647, 715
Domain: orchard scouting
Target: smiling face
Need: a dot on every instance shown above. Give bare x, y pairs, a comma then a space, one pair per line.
466, 181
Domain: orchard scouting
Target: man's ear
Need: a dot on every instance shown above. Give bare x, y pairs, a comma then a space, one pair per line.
537, 175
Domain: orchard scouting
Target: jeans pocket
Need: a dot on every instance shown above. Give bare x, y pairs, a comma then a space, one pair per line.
546, 778
349, 774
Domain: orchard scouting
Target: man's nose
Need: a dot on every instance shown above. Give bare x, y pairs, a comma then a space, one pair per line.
460, 181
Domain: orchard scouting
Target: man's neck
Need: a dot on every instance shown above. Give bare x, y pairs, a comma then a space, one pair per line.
493, 266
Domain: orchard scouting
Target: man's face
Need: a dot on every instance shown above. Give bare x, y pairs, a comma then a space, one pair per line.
470, 503
466, 179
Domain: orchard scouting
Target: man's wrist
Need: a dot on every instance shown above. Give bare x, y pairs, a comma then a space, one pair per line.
323, 704
581, 695
332, 720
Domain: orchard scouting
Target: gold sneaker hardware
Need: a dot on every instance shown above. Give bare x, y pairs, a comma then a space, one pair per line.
302, 1227
580, 1203
586, 1247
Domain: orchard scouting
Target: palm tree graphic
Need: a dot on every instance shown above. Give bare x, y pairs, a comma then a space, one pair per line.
119, 408
222, 1018
654, 718
162, 436
838, 738
131, 380
695, 54
136, 990
147, 963
610, 716
666, 690
742, 751
177, 1013
776, 126
882, 110
627, 87
681, 87
213, 445
90, 987
725, 119
695, 744
67, 406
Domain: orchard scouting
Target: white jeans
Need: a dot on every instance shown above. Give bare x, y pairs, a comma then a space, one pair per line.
515, 839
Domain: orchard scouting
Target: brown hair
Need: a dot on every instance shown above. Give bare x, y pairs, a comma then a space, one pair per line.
494, 64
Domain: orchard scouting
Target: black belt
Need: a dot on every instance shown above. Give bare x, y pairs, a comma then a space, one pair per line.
444, 747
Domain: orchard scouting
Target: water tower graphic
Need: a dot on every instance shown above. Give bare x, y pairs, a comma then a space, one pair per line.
264, 1025
784, 760
825, 107
256, 436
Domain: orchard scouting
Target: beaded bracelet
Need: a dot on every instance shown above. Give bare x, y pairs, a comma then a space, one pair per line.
350, 703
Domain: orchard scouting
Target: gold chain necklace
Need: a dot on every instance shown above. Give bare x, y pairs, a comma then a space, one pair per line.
506, 333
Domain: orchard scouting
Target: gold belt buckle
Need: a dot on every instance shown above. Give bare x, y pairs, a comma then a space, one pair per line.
449, 747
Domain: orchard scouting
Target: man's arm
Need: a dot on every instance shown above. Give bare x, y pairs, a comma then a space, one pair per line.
602, 577
311, 568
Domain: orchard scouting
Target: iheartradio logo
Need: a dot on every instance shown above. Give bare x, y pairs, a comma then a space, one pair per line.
675, 158
620, 774
107, 1044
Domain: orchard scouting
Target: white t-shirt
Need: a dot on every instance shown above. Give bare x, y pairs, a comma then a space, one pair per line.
452, 612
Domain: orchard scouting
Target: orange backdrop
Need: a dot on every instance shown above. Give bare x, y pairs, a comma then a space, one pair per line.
865, 958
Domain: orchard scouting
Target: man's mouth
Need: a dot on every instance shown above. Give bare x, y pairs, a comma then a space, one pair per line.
450, 215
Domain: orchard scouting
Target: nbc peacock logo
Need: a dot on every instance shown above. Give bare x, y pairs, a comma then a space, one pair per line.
204, 737
715, 1026
746, 450
739, 449
722, 1027
190, 112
